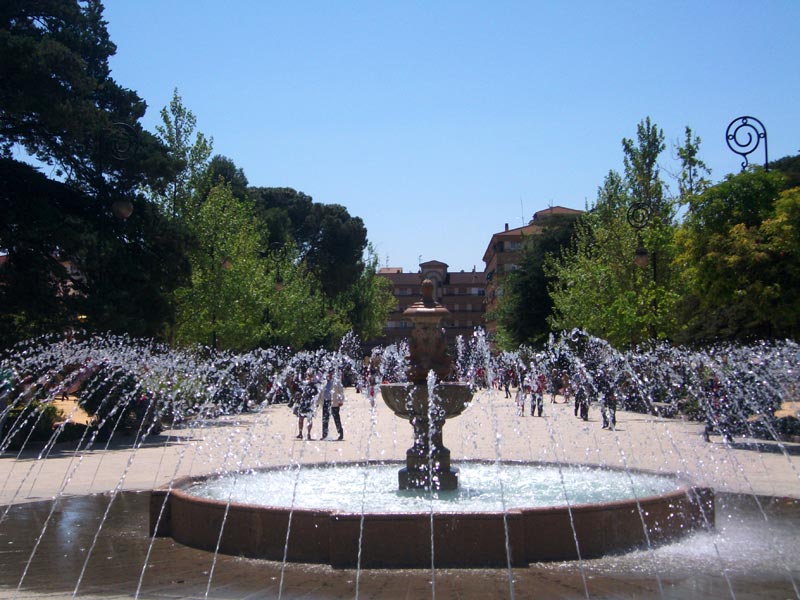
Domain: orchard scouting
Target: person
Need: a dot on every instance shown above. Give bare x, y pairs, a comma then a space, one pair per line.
537, 397
581, 395
306, 403
565, 387
520, 399
326, 395
507, 382
608, 399
717, 410
337, 400
554, 384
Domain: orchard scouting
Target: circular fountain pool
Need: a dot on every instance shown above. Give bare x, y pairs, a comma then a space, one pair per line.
504, 513
485, 487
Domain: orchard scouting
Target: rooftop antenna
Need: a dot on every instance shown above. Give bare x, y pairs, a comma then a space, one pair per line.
419, 259
521, 212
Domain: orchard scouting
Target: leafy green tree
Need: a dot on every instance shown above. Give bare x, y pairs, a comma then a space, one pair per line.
329, 240
224, 305
692, 179
369, 301
738, 256
190, 156
525, 305
221, 169
595, 284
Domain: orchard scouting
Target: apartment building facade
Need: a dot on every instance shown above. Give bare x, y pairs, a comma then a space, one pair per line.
503, 254
462, 293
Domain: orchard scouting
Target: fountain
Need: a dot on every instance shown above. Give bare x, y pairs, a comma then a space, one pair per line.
427, 400
524, 496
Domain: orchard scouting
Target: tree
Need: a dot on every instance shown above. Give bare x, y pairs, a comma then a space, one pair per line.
328, 239
189, 155
221, 169
738, 256
525, 305
224, 305
595, 284
692, 178
369, 301
61, 105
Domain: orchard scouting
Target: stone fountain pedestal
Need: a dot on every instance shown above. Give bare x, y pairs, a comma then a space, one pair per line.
428, 460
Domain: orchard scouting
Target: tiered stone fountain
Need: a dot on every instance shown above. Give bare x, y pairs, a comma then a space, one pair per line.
427, 400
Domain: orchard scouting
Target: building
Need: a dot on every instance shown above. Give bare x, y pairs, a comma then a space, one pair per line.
462, 293
503, 254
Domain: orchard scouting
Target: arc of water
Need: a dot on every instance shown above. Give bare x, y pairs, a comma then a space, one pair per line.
706, 522
373, 422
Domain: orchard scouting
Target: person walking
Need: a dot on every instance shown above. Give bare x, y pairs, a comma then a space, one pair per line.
337, 400
305, 405
520, 399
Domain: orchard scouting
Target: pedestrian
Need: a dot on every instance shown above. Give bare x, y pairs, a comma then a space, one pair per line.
520, 400
306, 397
537, 396
717, 410
608, 399
506, 382
555, 384
581, 395
326, 395
565, 387
337, 400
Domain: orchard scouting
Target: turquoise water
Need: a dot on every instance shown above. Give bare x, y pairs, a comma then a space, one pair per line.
483, 487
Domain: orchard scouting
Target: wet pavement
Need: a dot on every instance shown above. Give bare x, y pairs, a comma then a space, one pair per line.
71, 548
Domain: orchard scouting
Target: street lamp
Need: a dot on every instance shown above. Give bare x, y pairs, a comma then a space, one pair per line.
638, 217
276, 256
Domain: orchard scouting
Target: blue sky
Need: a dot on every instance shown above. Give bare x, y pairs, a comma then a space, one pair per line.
439, 122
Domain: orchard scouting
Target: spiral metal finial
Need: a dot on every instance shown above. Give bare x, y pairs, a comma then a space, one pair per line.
638, 215
744, 135
123, 141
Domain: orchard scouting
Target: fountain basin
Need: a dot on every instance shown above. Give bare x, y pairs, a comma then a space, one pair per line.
407, 400
461, 534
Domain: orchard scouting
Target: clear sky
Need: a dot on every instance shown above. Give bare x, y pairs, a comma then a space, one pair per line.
437, 122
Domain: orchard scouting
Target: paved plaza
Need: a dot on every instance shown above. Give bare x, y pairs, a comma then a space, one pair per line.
489, 429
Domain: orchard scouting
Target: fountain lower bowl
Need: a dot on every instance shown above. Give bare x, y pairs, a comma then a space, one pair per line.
408, 400
506, 531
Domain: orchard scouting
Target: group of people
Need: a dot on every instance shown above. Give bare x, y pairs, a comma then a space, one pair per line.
533, 386
311, 390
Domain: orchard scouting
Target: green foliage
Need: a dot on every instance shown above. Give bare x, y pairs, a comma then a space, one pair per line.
738, 251
790, 167
327, 238
369, 300
692, 179
224, 304
595, 284
523, 308
33, 422
189, 156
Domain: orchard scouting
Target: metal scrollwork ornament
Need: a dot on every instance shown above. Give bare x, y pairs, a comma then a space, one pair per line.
744, 135
638, 215
123, 141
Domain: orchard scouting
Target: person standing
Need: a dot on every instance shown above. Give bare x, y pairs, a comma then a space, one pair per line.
326, 396
337, 400
306, 404
537, 396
